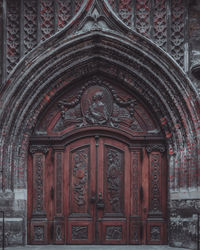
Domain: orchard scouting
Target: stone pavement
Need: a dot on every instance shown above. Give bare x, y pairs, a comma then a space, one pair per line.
94, 247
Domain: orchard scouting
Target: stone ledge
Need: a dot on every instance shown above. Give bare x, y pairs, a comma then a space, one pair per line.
185, 195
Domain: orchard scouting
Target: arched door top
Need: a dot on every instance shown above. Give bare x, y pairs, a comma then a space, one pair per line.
101, 104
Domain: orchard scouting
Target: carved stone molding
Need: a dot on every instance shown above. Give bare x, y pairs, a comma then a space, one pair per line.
196, 71
157, 147
185, 204
38, 149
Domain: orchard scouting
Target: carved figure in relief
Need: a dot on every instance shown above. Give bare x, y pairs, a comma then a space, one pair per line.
114, 179
80, 177
98, 105
97, 111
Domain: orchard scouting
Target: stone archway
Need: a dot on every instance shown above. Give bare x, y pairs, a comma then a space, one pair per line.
97, 169
98, 43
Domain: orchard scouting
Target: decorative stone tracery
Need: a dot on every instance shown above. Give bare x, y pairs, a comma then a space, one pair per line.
41, 19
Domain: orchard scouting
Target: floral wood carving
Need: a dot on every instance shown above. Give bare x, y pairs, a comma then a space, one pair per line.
113, 232
79, 232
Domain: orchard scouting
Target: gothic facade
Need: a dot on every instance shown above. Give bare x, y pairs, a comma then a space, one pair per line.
99, 104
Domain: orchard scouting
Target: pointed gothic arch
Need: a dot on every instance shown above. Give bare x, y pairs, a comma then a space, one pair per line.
93, 43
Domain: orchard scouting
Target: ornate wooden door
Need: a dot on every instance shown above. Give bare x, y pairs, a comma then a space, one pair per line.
97, 191
97, 170
98, 204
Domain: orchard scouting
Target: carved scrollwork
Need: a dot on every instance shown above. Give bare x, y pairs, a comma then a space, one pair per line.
97, 103
155, 233
155, 203
157, 147
79, 232
113, 232
38, 233
38, 149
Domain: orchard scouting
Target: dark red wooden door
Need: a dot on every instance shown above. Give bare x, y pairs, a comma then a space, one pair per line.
97, 190
98, 207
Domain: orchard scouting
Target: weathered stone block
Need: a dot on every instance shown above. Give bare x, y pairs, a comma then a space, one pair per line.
14, 231
184, 223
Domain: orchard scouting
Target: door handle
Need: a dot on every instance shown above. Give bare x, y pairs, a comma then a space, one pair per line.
100, 202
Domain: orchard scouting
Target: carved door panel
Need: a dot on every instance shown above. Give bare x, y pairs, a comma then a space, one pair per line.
100, 205
113, 203
97, 190
80, 187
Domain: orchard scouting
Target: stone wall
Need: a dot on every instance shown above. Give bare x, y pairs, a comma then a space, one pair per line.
184, 223
194, 38
14, 206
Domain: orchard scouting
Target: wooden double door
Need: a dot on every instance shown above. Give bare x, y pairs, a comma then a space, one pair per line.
96, 190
